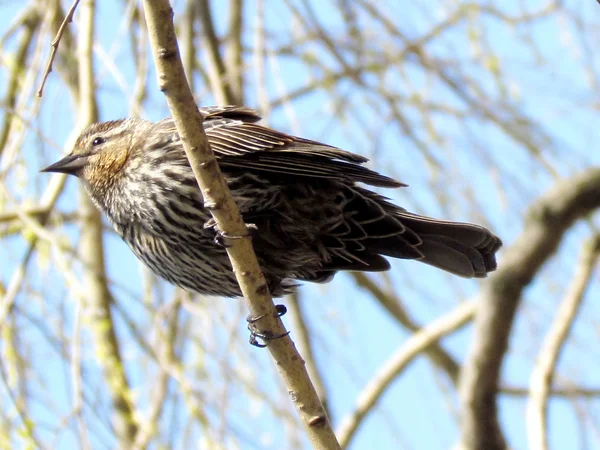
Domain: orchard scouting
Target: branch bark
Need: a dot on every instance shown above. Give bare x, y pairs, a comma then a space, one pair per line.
548, 220
188, 120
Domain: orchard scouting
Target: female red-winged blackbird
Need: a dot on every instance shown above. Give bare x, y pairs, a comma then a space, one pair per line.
311, 217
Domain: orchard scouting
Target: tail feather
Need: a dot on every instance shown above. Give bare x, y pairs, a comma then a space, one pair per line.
464, 249
454, 256
380, 228
396, 247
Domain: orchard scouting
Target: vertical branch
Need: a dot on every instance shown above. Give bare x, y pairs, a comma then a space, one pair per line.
15, 77
188, 120
92, 252
233, 52
139, 48
259, 59
217, 73
188, 47
540, 384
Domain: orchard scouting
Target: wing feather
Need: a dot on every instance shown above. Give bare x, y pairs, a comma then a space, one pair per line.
238, 142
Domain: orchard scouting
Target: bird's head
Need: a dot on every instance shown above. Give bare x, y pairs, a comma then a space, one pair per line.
99, 154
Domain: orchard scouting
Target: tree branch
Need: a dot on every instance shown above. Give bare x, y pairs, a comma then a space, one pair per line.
548, 220
188, 120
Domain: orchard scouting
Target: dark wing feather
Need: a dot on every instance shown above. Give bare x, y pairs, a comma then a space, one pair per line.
242, 113
240, 143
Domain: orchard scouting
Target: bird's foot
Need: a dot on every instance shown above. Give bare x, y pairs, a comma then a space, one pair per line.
280, 310
265, 336
221, 237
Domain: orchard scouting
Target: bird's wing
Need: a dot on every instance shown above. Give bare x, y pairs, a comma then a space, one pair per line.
239, 142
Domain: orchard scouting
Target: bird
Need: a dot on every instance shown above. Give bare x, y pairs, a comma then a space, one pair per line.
309, 204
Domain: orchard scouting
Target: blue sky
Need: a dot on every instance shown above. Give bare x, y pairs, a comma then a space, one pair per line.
353, 336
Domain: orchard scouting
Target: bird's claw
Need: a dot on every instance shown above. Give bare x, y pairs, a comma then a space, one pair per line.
210, 223
219, 239
221, 236
280, 310
265, 336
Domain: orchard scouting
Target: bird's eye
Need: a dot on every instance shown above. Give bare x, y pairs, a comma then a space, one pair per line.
97, 141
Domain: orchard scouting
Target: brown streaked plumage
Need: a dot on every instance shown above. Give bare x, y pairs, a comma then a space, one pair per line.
312, 217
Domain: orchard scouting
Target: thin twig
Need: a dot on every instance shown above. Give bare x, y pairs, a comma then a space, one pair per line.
63, 26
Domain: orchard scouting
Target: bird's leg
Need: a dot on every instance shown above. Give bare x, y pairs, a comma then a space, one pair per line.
221, 236
265, 336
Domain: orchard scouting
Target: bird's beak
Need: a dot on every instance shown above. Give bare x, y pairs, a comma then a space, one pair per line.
70, 164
